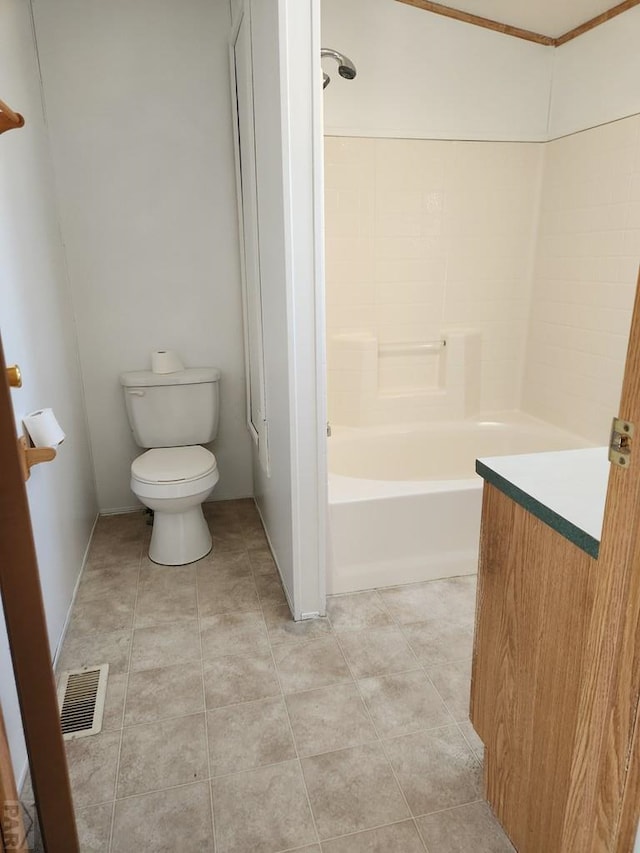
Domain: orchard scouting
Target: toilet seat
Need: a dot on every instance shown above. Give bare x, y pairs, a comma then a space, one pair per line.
173, 465
166, 473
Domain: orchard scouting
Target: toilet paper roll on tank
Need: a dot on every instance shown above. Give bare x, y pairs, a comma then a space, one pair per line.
43, 428
165, 361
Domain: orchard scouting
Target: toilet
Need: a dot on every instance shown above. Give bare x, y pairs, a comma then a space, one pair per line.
174, 414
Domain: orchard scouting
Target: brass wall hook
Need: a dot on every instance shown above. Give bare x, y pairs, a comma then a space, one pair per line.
9, 120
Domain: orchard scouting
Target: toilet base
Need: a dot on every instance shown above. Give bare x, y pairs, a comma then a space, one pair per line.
179, 538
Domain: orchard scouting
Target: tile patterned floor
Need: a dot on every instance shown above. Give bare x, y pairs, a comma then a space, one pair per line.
230, 728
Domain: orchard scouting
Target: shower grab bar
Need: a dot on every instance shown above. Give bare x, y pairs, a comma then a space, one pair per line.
411, 347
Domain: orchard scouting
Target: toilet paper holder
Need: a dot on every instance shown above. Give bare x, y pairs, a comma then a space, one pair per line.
30, 456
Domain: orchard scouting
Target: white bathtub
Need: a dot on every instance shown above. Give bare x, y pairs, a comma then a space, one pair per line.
404, 502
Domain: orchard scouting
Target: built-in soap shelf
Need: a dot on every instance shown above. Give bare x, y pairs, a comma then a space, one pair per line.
372, 382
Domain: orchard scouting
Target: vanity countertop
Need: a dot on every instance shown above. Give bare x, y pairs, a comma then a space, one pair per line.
566, 489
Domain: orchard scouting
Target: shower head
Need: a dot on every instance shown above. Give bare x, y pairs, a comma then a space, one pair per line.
346, 68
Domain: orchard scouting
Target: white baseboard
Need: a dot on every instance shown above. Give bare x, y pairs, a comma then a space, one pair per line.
22, 775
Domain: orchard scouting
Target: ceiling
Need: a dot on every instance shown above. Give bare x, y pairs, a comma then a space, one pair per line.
547, 17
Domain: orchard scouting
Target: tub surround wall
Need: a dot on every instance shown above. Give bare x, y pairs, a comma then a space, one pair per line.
424, 237
586, 257
139, 104
585, 277
38, 331
536, 246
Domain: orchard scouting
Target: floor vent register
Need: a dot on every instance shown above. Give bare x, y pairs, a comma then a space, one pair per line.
81, 698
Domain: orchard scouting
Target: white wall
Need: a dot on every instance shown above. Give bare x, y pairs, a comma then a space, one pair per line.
421, 75
585, 278
287, 117
139, 104
425, 76
596, 76
235, 7
38, 331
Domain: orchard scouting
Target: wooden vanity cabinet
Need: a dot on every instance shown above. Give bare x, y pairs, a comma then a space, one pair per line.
535, 597
556, 663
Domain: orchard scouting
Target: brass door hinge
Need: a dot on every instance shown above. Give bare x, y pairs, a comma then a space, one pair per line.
620, 442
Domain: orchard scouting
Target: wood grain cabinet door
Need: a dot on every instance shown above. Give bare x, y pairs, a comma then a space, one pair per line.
556, 671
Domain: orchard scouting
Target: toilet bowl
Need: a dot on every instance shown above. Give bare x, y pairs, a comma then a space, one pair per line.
173, 415
174, 482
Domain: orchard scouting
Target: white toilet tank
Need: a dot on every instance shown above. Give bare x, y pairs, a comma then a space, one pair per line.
172, 409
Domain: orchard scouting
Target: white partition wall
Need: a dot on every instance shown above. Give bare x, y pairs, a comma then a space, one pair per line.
291, 489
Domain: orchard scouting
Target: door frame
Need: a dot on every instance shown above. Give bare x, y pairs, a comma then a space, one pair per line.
29, 643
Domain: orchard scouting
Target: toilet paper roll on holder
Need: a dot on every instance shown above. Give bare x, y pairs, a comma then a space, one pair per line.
27, 453
42, 435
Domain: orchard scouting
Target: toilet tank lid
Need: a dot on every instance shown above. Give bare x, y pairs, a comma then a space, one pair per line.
189, 376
